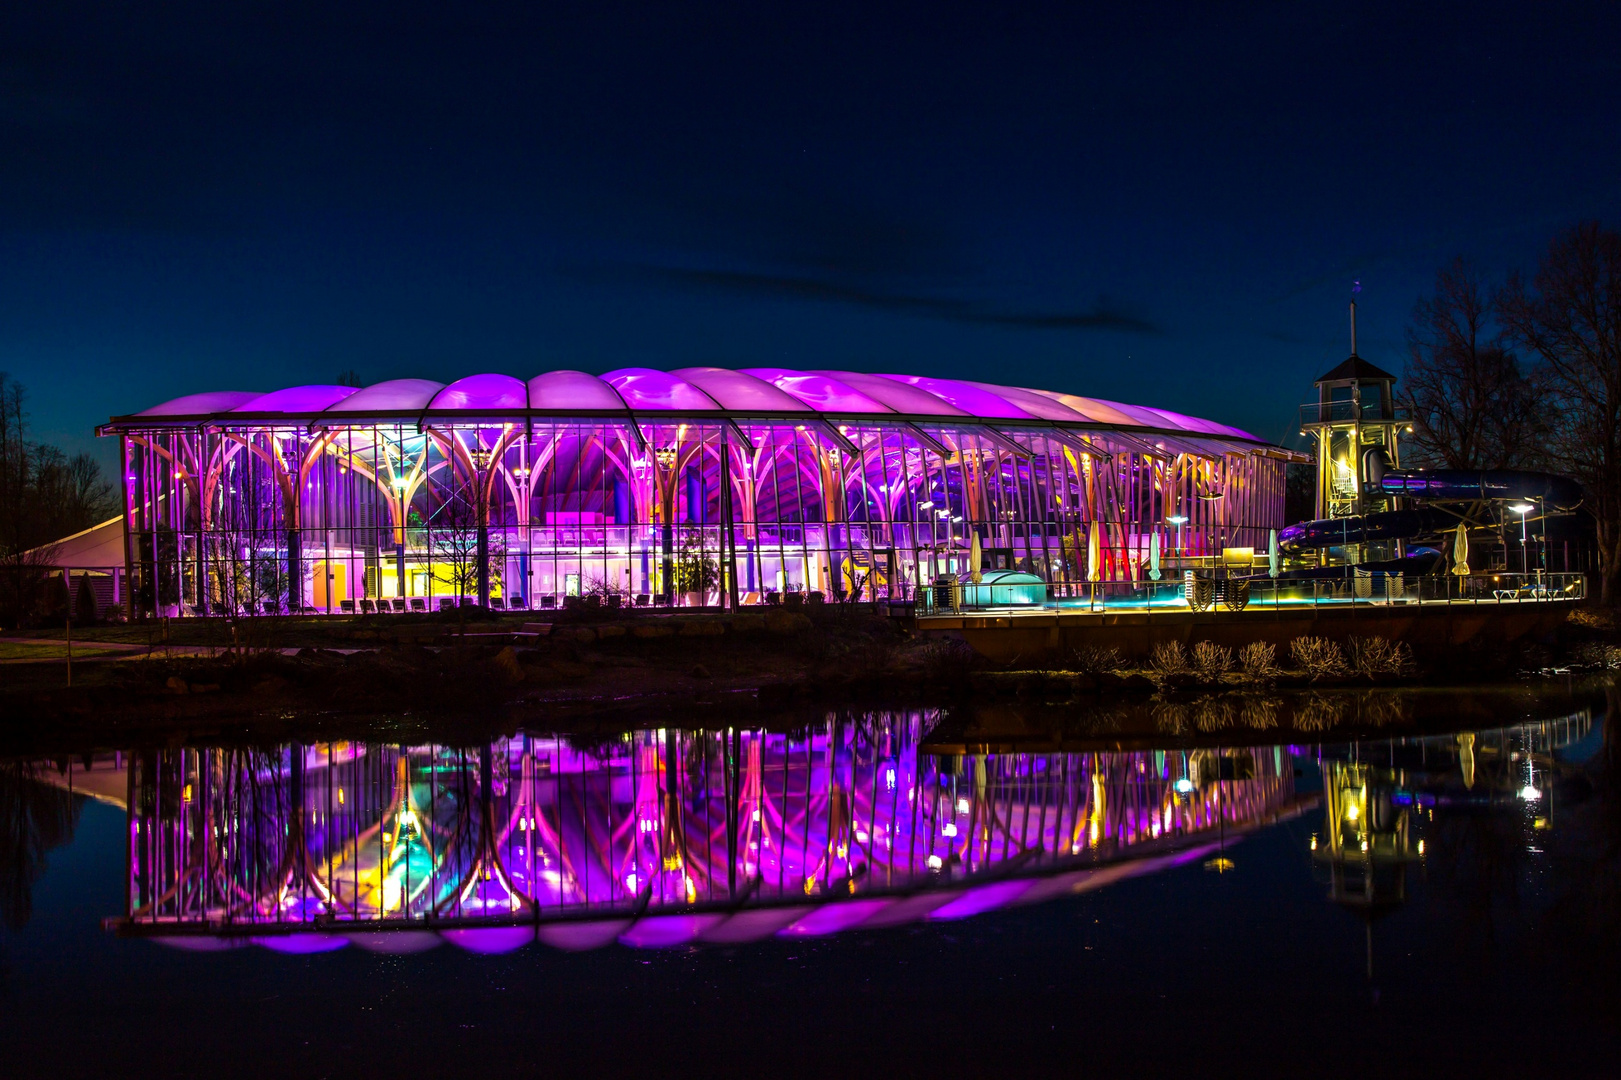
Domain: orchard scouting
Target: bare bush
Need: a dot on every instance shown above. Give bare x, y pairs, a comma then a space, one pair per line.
1212, 661
1259, 661
1598, 654
1168, 659
1375, 656
1318, 657
1095, 659
1318, 713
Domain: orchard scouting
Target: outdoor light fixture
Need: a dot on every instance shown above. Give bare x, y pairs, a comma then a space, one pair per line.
1184, 786
400, 483
665, 456
1522, 508
1529, 793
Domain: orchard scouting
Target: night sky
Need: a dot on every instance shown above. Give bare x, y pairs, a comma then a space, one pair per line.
1161, 204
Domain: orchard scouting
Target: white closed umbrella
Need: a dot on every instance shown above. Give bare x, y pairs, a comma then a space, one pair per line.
1092, 552
1273, 558
975, 557
1460, 552
1153, 555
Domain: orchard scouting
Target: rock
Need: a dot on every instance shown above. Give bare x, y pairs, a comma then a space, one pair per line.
506, 662
176, 685
787, 622
748, 624
652, 630
700, 672
703, 628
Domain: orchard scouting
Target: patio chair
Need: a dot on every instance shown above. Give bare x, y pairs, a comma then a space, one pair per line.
643, 599
347, 607
270, 607
548, 601
497, 604
368, 607
615, 601
447, 603
397, 604
419, 603
517, 603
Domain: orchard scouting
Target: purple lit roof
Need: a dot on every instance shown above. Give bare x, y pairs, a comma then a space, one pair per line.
483, 392
760, 391
572, 390
490, 939
821, 392
216, 401
896, 395
739, 391
297, 400
658, 391
972, 398
395, 395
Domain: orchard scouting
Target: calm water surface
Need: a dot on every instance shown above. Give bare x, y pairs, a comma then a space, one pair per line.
870, 893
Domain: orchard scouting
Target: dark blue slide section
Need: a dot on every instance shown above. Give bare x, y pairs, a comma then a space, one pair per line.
1390, 525
1459, 485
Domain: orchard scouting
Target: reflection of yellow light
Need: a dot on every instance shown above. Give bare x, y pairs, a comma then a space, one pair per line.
1364, 845
841, 851
934, 862
1351, 811
1220, 865
1314, 843
1421, 847
692, 891
1539, 823
340, 796
810, 885
186, 795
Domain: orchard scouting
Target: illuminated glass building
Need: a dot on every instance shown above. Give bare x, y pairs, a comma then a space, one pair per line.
645, 487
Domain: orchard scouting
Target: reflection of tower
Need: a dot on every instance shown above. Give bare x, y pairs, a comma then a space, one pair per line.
1354, 428
1368, 843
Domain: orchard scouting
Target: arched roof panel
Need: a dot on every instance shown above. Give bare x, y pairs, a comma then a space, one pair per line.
572, 390
395, 395
215, 401
297, 400
895, 395
740, 391
492, 392
1096, 411
820, 391
973, 399
658, 391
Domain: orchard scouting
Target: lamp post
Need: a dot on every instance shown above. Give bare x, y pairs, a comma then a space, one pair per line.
1178, 520
1523, 509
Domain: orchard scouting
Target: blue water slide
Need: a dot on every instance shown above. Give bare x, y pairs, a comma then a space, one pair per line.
1459, 485
1389, 525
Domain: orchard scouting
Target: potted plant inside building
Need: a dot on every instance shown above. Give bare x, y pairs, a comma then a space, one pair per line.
696, 575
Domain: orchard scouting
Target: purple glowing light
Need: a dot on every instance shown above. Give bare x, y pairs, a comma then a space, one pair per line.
740, 391
215, 401
483, 392
833, 918
667, 931
894, 395
395, 395
820, 391
658, 391
985, 898
303, 944
490, 940
570, 390
973, 399
297, 400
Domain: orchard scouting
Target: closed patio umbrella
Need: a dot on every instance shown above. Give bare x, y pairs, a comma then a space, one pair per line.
1092, 552
1460, 552
1273, 557
975, 558
1153, 555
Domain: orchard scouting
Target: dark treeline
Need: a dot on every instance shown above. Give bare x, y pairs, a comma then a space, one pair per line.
1526, 373
44, 496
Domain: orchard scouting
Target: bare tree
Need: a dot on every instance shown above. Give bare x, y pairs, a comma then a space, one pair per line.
1471, 405
1569, 317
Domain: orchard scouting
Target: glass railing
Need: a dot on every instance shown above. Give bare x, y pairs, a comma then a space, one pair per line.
1200, 593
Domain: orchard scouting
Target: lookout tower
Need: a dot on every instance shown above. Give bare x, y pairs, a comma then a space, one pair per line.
1353, 421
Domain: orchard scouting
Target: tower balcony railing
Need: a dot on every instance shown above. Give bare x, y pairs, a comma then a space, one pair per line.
1332, 412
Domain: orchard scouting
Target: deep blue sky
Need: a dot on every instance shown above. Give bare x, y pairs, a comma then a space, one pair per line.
1165, 204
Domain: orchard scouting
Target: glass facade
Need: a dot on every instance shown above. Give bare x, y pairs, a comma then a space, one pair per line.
653, 488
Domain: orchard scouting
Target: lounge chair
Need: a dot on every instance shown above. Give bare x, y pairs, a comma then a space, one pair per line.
419, 603
517, 603
347, 607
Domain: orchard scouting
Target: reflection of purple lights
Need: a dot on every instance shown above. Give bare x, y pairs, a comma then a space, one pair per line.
299, 944
822, 841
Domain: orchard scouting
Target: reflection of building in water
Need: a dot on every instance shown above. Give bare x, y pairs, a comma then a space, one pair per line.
658, 837
1378, 804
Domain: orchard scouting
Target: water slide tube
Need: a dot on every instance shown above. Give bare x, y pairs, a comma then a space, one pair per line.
1547, 490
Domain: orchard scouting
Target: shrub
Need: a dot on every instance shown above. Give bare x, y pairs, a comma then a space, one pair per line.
1168, 658
1259, 661
1318, 657
1211, 661
1375, 656
1095, 659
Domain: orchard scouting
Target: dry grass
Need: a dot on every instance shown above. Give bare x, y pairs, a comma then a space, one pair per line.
1259, 661
1212, 661
1320, 658
1375, 656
